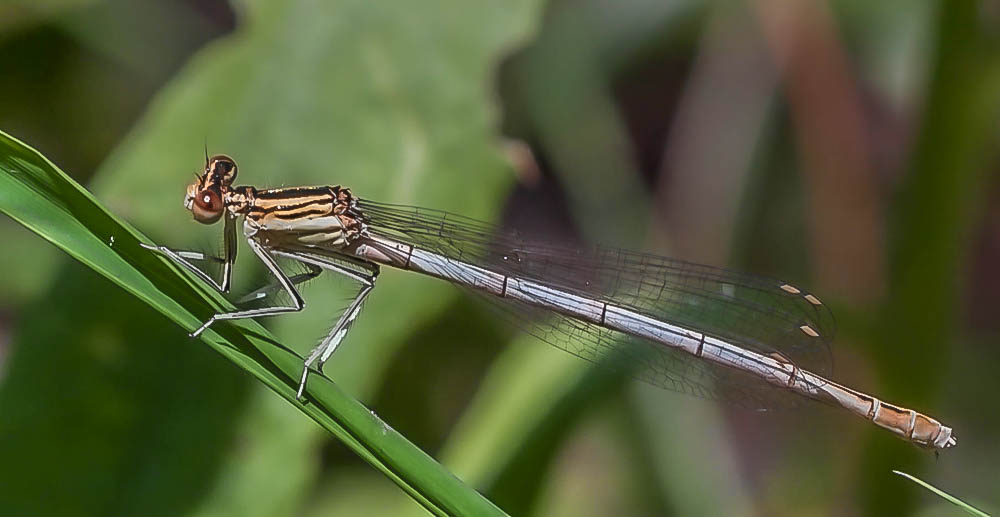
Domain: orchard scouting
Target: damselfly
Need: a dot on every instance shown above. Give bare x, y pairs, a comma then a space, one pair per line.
682, 326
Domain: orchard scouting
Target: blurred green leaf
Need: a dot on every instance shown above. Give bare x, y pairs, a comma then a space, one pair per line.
389, 101
275, 459
15, 14
36, 194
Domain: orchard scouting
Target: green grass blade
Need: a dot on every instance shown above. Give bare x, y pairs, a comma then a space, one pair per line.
34, 192
953, 500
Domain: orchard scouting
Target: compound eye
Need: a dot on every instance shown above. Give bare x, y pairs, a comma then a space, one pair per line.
224, 168
207, 207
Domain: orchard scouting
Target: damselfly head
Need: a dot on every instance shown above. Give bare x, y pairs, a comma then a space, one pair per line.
205, 198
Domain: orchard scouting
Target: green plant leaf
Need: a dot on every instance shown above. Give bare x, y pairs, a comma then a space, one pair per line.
944, 495
34, 192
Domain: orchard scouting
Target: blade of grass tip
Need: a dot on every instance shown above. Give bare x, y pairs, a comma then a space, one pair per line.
954, 500
34, 192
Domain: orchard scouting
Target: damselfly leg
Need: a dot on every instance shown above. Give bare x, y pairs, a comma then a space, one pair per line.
365, 275
363, 272
274, 286
184, 258
286, 283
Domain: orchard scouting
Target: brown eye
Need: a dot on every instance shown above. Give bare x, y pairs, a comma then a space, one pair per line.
207, 207
224, 168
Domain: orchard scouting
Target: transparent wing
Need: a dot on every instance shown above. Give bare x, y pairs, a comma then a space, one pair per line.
760, 314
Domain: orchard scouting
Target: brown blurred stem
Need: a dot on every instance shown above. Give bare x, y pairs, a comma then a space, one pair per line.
829, 125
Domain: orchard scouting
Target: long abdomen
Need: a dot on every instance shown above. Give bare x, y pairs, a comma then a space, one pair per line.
910, 425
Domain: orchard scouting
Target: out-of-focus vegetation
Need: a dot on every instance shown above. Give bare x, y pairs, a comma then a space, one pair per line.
848, 146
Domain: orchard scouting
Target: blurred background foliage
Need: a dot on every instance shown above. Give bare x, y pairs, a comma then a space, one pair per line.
848, 146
